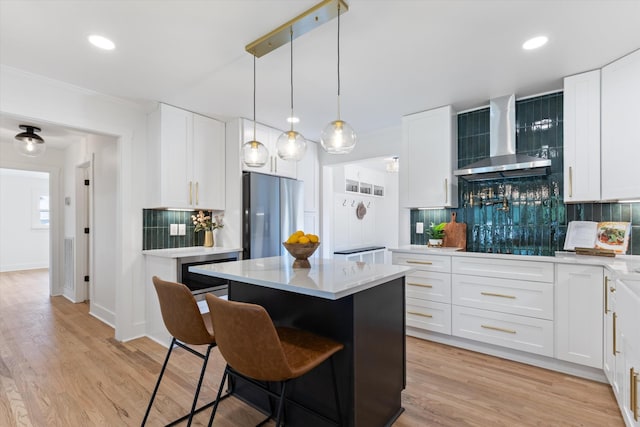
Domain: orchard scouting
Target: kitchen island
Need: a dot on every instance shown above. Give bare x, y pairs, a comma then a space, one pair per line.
360, 305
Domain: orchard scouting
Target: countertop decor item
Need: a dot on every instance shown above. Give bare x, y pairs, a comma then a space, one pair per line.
436, 234
455, 234
204, 222
301, 252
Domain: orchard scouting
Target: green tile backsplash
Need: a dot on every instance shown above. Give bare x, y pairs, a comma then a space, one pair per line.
155, 230
535, 222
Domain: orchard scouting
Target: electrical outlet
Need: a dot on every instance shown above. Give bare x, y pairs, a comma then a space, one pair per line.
420, 227
182, 229
173, 229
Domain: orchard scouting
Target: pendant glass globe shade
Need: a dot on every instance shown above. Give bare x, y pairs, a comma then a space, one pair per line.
338, 137
291, 146
254, 154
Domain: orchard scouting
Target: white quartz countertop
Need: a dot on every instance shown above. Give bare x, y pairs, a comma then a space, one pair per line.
327, 278
189, 252
623, 266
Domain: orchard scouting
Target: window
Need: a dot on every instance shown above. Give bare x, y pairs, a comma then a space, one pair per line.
40, 215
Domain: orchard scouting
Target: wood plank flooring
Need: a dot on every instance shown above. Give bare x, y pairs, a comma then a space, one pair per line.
59, 366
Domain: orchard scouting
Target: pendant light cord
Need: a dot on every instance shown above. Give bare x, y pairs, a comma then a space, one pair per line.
338, 59
254, 97
291, 74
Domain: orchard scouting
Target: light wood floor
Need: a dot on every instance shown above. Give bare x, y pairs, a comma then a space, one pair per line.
61, 367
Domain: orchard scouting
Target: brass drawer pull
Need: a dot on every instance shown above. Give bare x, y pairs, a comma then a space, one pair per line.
570, 181
495, 328
606, 295
491, 294
633, 393
419, 262
420, 314
615, 341
420, 285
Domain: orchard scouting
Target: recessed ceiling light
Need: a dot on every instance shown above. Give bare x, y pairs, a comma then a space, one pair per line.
101, 42
535, 43
293, 119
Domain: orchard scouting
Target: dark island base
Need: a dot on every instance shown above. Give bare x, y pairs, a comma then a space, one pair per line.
371, 369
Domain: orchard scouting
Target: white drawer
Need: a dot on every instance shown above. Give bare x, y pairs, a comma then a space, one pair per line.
526, 298
536, 271
507, 330
429, 316
429, 286
438, 263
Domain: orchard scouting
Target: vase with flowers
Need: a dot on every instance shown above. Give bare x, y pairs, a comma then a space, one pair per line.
204, 223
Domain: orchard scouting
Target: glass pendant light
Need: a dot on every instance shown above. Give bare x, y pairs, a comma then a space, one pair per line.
291, 145
338, 137
28, 143
254, 153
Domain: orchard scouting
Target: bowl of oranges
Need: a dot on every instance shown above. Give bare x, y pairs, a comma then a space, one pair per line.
301, 246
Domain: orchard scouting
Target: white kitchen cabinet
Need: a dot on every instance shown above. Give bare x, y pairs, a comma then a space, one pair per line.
582, 137
186, 160
429, 153
628, 358
428, 291
269, 137
579, 314
620, 138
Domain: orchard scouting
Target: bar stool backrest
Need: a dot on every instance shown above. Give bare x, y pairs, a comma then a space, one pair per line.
248, 340
181, 314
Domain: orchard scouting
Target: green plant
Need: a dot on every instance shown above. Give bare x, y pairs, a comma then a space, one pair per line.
203, 222
436, 231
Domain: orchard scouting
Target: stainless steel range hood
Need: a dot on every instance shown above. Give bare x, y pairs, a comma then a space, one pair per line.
504, 162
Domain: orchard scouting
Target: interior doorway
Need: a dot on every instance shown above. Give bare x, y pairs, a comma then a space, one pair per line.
83, 254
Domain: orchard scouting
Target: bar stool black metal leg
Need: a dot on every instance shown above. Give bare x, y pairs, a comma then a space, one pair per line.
155, 390
215, 407
281, 403
335, 390
202, 371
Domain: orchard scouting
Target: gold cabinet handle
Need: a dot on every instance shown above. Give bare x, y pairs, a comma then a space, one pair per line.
275, 164
446, 191
495, 328
420, 285
190, 192
197, 193
615, 344
570, 181
410, 261
634, 393
420, 314
606, 295
491, 294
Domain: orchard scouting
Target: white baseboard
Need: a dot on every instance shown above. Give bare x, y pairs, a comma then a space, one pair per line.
102, 314
25, 266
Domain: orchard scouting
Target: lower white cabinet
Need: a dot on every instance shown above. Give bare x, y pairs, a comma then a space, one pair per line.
609, 342
628, 347
579, 314
518, 332
429, 315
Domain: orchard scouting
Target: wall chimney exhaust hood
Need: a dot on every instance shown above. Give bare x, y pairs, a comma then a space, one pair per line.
503, 161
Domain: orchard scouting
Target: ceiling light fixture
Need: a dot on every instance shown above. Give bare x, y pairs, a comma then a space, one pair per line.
535, 42
293, 120
338, 137
393, 164
28, 143
101, 42
291, 145
254, 153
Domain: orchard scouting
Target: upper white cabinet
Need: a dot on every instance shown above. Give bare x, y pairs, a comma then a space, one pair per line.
579, 314
620, 136
582, 137
186, 160
429, 151
269, 137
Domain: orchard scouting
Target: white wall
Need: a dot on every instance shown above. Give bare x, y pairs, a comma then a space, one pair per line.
22, 247
46, 100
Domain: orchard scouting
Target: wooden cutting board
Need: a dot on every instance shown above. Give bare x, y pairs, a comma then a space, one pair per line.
455, 234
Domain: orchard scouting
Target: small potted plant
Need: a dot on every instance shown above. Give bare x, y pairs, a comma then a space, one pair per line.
203, 222
436, 234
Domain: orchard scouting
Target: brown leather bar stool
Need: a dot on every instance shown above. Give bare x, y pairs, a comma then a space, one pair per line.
258, 351
187, 326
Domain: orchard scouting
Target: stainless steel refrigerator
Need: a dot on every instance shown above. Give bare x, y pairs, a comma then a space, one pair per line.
273, 208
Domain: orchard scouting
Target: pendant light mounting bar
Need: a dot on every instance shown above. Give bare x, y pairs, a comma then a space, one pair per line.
312, 18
